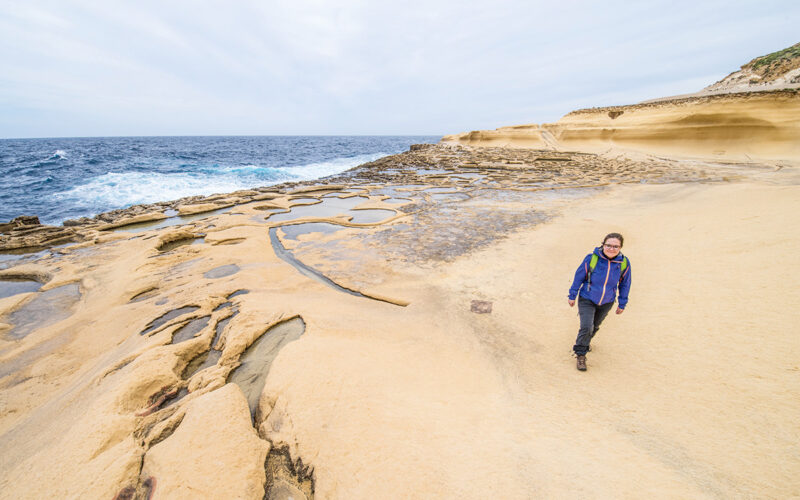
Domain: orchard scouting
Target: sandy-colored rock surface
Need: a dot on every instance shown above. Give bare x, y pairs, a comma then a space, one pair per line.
402, 331
205, 459
742, 127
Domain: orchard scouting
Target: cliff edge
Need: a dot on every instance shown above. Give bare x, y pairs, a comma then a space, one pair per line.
752, 114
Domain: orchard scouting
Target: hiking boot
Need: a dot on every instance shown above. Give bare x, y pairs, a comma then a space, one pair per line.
581, 362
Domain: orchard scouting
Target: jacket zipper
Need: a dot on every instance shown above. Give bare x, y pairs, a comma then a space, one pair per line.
608, 271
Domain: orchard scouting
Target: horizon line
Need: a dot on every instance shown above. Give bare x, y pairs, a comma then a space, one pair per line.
217, 135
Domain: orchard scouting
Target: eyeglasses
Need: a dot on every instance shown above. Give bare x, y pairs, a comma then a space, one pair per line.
615, 247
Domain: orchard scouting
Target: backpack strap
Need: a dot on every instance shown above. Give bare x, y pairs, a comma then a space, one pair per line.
592, 265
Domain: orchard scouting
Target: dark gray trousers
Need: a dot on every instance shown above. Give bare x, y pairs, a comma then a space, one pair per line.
591, 316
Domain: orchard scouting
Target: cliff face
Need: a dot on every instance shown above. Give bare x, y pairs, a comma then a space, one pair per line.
737, 126
764, 126
726, 120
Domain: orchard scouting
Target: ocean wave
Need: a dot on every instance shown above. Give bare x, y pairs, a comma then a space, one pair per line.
119, 190
323, 169
60, 154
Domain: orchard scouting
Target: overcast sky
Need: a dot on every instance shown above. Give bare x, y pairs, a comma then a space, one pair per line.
102, 68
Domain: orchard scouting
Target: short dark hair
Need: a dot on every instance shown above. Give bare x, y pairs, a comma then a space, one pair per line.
614, 235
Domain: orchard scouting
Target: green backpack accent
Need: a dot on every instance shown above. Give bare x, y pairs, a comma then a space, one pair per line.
593, 264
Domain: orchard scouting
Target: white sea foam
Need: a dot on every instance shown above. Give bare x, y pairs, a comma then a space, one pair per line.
324, 169
59, 154
130, 188
117, 190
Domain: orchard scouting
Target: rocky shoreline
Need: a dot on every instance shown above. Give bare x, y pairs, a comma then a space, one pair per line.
544, 169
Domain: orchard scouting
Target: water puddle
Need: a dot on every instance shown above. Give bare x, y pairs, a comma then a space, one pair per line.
329, 207
162, 320
201, 362
370, 216
468, 175
190, 329
303, 201
252, 373
394, 201
45, 309
309, 271
210, 357
449, 197
220, 327
10, 258
170, 221
9, 287
433, 171
293, 231
221, 271
172, 245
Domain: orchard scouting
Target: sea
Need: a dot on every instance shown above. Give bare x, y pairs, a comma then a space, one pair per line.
68, 178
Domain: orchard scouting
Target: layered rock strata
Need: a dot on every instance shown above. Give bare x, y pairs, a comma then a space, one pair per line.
750, 126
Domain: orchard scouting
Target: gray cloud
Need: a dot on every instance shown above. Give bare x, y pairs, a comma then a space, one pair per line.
76, 68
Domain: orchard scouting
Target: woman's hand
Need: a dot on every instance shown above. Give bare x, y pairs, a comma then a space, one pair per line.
620, 310
571, 302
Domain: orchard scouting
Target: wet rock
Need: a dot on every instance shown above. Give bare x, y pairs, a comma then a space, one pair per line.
136, 219
156, 400
221, 271
256, 361
190, 329
77, 222
22, 220
36, 237
45, 309
287, 479
481, 307
27, 272
164, 318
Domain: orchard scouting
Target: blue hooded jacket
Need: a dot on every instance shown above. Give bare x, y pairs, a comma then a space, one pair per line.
605, 280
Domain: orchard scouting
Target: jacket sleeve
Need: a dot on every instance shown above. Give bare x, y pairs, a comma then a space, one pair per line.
580, 277
625, 287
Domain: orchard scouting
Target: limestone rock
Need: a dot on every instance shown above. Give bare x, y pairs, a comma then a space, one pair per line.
214, 453
22, 220
35, 236
201, 208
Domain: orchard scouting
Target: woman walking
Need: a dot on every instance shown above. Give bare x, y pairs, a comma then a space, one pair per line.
598, 278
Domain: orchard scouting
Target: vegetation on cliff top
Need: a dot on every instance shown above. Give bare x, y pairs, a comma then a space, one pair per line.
786, 54
776, 64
